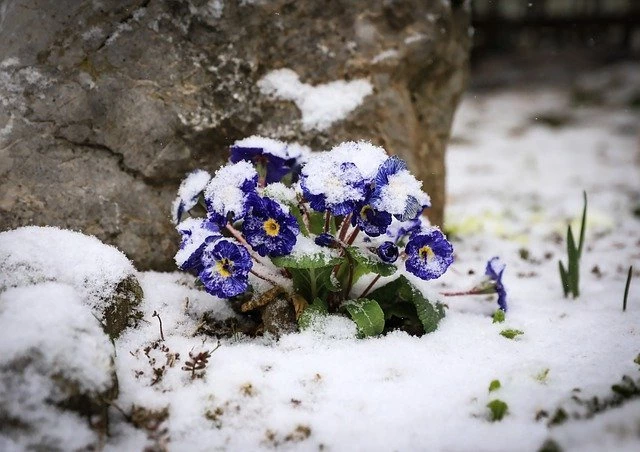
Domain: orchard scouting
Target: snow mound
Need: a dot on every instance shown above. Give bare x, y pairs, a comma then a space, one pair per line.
33, 254
53, 354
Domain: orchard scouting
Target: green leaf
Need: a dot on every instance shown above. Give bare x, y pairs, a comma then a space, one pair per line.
401, 291
316, 222
498, 316
573, 269
543, 375
511, 334
311, 312
369, 263
583, 224
316, 260
494, 385
312, 282
498, 409
428, 313
367, 315
564, 277
295, 211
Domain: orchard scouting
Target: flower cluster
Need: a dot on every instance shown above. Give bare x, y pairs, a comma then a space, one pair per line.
285, 215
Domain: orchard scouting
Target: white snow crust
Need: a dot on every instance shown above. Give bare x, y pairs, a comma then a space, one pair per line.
34, 254
320, 105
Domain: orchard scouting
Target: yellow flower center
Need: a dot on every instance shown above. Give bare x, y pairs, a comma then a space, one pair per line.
271, 227
426, 252
363, 212
224, 267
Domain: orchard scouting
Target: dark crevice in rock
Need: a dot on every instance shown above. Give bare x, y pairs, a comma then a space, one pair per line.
122, 21
101, 147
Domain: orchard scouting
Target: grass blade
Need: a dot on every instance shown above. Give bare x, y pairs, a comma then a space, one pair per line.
564, 278
583, 224
626, 289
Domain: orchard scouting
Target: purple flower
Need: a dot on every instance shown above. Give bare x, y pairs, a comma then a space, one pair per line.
388, 252
275, 156
190, 190
373, 222
226, 266
268, 228
397, 191
399, 230
330, 185
196, 234
228, 193
325, 239
429, 254
495, 269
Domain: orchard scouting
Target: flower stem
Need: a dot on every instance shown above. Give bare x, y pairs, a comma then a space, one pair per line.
366, 291
238, 236
465, 292
344, 227
304, 213
353, 235
265, 278
327, 220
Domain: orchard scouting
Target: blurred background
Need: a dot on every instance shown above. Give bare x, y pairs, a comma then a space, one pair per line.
550, 41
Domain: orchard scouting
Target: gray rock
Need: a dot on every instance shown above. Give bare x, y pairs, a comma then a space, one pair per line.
107, 104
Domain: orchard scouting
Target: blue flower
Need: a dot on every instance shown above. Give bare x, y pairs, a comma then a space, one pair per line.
399, 230
429, 254
373, 222
226, 266
269, 229
196, 234
275, 156
190, 190
495, 269
325, 239
397, 191
333, 186
228, 193
388, 252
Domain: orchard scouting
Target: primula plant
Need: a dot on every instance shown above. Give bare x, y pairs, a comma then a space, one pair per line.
332, 232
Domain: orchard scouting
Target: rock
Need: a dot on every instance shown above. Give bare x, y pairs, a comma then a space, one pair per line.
107, 104
57, 374
279, 317
102, 276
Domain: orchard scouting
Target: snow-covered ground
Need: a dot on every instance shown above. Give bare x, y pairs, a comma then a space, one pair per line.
514, 182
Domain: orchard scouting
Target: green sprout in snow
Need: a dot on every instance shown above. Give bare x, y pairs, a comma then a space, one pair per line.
570, 275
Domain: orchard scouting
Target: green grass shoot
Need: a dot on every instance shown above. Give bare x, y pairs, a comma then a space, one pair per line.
626, 289
570, 275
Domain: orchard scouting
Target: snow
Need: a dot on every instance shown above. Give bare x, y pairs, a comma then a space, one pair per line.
280, 192
189, 191
305, 246
366, 156
199, 230
276, 148
33, 254
326, 176
385, 55
74, 343
394, 195
46, 331
224, 192
320, 105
